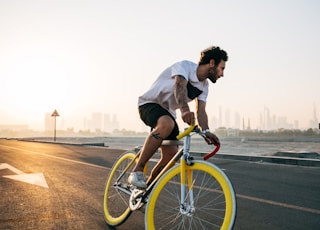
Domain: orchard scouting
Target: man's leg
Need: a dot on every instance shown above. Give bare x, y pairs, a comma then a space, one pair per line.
167, 152
163, 128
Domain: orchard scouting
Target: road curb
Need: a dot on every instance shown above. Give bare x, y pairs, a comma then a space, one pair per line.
272, 159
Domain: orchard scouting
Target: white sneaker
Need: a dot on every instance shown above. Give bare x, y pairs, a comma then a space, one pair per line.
137, 179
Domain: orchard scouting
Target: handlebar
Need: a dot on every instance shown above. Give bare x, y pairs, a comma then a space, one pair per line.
206, 157
186, 132
197, 130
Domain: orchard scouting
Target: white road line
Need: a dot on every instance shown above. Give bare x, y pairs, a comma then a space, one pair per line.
271, 202
55, 157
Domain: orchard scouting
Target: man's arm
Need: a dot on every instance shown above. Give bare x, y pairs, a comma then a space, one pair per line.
202, 114
181, 95
203, 122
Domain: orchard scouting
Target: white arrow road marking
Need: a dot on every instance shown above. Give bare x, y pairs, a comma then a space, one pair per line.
31, 178
11, 168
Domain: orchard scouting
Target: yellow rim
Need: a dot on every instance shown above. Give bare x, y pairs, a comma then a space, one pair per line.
109, 218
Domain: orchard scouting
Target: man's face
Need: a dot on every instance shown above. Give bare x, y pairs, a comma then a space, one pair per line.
215, 72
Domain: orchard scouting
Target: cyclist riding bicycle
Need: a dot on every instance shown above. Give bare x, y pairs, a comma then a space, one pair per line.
176, 86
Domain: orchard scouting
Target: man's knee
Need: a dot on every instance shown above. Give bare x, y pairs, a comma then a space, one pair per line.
165, 126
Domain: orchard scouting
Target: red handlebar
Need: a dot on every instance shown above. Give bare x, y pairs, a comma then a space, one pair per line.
212, 153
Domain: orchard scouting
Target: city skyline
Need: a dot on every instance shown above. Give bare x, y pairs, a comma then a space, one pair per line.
224, 117
87, 56
109, 122
267, 121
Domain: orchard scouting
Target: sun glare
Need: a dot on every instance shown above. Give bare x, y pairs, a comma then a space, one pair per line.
35, 86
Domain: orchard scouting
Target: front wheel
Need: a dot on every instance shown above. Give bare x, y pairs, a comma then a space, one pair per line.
209, 200
116, 195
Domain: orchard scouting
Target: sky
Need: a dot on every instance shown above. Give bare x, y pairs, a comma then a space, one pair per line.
81, 57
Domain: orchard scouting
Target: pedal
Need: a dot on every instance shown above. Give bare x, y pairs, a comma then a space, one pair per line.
135, 201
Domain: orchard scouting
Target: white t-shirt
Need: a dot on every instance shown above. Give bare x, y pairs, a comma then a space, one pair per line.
162, 90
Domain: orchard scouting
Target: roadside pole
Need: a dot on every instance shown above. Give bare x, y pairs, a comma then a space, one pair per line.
55, 114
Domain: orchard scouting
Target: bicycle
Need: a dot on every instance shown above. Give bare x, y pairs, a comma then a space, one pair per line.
194, 194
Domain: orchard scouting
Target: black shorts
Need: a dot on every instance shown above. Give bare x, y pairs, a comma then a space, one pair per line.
151, 112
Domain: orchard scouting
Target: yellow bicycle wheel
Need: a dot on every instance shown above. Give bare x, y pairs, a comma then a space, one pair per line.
116, 199
209, 203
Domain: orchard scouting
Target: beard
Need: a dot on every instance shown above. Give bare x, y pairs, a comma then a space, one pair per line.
212, 74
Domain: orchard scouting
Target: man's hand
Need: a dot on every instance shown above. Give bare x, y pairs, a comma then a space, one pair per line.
188, 117
211, 139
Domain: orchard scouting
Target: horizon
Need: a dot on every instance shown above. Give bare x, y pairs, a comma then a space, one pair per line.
109, 123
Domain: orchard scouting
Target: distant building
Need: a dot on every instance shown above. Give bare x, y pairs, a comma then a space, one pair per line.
95, 123
115, 124
314, 122
282, 123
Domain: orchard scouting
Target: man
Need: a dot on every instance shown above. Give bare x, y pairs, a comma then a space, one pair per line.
176, 86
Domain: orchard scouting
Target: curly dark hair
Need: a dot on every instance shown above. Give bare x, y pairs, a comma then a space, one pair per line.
215, 53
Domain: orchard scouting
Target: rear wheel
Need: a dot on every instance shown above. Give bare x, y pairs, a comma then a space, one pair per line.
117, 192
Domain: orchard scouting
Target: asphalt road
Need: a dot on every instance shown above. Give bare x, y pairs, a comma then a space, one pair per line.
62, 188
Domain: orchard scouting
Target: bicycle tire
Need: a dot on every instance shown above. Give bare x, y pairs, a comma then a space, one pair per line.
115, 202
217, 212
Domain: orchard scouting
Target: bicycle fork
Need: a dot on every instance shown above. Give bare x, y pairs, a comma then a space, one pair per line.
186, 181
